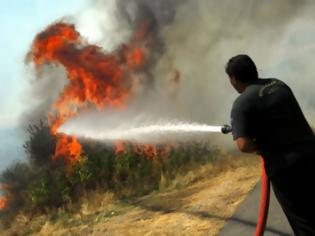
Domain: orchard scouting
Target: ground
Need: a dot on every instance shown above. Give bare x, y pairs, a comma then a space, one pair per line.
199, 208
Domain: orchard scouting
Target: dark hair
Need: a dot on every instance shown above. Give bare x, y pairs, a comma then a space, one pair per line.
242, 68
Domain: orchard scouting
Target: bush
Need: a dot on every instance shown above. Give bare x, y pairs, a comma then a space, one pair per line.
49, 190
41, 144
16, 177
43, 184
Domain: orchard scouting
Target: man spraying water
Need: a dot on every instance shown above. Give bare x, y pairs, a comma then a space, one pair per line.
267, 119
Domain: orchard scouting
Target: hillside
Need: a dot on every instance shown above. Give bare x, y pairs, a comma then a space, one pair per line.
197, 203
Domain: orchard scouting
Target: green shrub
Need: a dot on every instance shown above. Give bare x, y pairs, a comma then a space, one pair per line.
41, 144
17, 177
50, 189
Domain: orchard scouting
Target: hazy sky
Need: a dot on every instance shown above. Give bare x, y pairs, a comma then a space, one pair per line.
20, 20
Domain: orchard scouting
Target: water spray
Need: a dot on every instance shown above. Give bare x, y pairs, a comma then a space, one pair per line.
157, 132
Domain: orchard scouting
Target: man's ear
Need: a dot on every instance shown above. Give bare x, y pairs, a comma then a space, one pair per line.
233, 80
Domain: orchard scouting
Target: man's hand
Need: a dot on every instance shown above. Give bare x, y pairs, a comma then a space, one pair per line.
246, 145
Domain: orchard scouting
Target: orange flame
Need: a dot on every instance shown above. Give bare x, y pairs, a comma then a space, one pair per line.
3, 199
149, 150
3, 202
120, 147
95, 78
67, 147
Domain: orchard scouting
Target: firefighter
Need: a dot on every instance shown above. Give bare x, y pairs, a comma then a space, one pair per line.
267, 119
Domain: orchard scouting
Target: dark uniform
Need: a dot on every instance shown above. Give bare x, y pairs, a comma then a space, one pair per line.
268, 112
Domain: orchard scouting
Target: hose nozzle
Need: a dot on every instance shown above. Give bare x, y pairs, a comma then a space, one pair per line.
226, 129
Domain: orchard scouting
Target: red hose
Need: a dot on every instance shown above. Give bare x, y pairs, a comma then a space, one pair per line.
264, 202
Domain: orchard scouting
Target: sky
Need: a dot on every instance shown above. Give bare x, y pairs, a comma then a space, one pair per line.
20, 21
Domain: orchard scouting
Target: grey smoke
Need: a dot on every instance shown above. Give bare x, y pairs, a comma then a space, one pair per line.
197, 37
42, 92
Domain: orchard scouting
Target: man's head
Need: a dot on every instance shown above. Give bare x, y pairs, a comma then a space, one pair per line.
242, 71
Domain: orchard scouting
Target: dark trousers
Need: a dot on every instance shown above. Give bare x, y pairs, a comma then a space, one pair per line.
295, 191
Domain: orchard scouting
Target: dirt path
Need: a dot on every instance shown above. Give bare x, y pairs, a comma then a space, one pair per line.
200, 209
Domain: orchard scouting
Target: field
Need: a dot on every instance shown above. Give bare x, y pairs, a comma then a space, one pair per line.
197, 202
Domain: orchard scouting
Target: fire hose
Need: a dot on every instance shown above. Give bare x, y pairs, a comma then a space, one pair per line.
265, 194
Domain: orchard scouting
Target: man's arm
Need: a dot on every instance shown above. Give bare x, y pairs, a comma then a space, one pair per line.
246, 145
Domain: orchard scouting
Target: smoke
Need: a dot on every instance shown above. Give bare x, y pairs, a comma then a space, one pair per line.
41, 93
191, 43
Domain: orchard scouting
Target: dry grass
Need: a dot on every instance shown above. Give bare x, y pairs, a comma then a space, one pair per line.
209, 170
97, 209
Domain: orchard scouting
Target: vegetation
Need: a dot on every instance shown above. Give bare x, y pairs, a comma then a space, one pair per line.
42, 185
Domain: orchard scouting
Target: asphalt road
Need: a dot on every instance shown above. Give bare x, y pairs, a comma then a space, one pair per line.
243, 222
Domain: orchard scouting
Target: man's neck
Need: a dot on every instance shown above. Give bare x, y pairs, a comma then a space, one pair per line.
243, 86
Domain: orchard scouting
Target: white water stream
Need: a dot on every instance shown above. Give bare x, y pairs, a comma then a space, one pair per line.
155, 132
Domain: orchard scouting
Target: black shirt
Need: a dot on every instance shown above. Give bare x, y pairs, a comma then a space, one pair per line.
268, 112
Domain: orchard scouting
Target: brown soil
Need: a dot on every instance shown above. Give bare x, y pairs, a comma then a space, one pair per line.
199, 209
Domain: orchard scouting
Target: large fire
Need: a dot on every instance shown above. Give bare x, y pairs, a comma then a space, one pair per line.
95, 77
